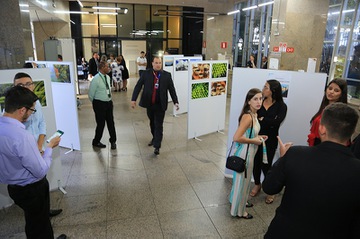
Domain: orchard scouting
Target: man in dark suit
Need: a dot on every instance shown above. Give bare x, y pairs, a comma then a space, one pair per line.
156, 84
94, 65
321, 197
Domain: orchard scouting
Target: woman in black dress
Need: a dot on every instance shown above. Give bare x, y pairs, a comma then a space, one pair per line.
125, 73
271, 115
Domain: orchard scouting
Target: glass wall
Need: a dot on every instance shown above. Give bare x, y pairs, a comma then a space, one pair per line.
252, 26
104, 28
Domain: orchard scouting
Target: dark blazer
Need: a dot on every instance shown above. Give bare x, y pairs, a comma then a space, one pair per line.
146, 82
322, 193
93, 68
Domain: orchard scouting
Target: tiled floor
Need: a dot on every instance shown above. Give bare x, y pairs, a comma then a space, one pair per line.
131, 193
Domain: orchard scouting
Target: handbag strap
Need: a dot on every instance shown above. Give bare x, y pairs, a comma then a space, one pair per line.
247, 148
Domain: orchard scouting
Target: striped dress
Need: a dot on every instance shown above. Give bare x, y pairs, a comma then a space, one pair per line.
241, 185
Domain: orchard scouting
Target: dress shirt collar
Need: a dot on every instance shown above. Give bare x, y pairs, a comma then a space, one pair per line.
9, 120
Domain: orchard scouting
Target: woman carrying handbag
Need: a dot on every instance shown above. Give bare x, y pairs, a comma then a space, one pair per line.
248, 123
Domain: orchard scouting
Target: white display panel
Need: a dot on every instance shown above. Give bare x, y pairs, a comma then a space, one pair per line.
54, 175
65, 105
181, 81
168, 65
206, 97
304, 95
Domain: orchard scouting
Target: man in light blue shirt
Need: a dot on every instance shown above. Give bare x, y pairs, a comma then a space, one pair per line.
100, 96
36, 124
22, 166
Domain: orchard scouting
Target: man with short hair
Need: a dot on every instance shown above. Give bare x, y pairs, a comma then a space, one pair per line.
322, 197
141, 62
156, 84
22, 166
100, 96
35, 124
94, 65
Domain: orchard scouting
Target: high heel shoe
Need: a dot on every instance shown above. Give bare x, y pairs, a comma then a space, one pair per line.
255, 190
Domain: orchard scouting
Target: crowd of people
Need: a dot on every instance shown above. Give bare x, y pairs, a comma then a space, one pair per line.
316, 178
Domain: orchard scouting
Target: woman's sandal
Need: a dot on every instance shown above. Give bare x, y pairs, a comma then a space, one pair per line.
255, 191
269, 199
248, 216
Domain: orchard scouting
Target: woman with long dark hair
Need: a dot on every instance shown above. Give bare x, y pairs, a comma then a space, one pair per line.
246, 134
125, 73
270, 115
336, 91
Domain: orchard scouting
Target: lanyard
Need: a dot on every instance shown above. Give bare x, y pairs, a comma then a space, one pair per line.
106, 84
157, 78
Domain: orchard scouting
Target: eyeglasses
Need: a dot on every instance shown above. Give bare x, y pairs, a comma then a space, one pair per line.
27, 84
33, 110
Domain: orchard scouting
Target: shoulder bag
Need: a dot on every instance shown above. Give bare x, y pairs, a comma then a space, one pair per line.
237, 163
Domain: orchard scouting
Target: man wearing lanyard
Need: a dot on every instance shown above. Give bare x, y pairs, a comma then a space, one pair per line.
100, 96
156, 84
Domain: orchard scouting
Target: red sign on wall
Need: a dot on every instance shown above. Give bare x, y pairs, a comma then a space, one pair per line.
290, 50
275, 49
204, 44
224, 44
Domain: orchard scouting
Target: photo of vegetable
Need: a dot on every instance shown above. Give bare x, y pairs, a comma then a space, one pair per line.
60, 73
218, 88
218, 70
200, 71
3, 89
39, 90
200, 90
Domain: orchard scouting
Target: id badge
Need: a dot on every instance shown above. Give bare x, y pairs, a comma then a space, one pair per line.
156, 85
108, 91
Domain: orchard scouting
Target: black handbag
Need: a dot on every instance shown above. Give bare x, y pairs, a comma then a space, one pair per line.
237, 163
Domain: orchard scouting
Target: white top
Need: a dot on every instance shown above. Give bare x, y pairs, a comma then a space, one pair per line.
141, 60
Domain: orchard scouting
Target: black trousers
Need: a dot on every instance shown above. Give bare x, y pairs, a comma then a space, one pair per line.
34, 199
141, 72
271, 145
156, 116
104, 113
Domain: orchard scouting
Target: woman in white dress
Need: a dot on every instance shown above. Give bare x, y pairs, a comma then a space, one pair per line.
247, 123
116, 69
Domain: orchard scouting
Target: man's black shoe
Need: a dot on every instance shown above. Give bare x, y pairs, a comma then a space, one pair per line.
113, 145
62, 236
99, 145
157, 151
54, 212
150, 143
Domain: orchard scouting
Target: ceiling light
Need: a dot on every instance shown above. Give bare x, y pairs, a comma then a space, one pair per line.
25, 10
80, 3
71, 12
211, 18
126, 10
266, 3
107, 8
106, 13
88, 24
23, 5
72, 22
41, 3
233, 12
249, 8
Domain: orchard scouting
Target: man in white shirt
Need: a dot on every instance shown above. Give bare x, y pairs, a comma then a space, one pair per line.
141, 62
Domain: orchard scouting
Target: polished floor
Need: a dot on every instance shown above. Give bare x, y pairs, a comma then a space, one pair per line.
131, 193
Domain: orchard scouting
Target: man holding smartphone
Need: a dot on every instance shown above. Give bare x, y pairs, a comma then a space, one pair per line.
35, 124
23, 167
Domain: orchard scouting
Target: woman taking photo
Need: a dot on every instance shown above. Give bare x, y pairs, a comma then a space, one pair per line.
336, 91
242, 138
271, 114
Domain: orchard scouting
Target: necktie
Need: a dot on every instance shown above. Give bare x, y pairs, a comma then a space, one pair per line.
156, 86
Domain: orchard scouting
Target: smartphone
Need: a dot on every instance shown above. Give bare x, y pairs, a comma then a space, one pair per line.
57, 133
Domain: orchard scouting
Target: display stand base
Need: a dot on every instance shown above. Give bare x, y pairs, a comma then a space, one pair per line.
61, 188
71, 150
175, 115
220, 132
198, 139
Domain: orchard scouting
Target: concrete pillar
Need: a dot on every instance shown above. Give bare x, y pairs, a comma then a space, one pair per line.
301, 25
15, 35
